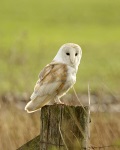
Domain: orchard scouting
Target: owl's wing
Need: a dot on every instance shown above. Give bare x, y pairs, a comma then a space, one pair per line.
51, 80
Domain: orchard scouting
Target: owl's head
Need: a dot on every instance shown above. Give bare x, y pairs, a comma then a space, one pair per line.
69, 54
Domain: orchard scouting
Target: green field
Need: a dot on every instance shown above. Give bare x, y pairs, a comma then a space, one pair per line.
31, 33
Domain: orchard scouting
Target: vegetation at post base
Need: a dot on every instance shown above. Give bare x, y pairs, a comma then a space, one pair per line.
31, 33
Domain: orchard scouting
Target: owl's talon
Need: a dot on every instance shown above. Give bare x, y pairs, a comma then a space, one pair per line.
59, 102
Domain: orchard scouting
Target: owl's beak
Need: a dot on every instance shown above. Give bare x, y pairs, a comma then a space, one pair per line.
72, 59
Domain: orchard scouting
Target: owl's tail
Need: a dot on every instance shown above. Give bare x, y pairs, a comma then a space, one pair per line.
37, 103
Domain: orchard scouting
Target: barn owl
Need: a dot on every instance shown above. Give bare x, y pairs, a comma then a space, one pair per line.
56, 78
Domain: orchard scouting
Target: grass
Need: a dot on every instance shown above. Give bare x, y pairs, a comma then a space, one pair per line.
18, 127
31, 33
105, 130
14, 133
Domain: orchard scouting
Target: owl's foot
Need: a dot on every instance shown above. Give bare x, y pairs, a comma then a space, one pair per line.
58, 101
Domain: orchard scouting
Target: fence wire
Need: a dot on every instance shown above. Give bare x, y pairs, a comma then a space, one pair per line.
113, 147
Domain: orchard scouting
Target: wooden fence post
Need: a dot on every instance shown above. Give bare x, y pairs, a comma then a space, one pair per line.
64, 127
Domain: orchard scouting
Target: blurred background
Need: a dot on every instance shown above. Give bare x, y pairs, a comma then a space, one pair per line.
31, 32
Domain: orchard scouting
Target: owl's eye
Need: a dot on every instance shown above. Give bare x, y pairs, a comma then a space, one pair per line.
76, 54
67, 53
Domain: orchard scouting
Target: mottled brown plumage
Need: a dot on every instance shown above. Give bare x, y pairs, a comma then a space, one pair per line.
53, 72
